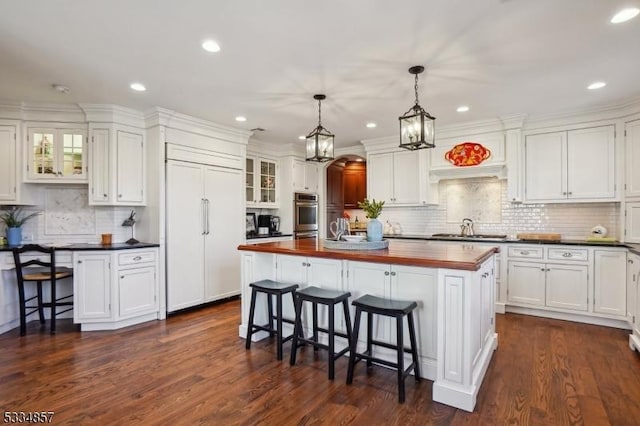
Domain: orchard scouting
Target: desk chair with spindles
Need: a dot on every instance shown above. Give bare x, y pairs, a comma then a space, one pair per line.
40, 268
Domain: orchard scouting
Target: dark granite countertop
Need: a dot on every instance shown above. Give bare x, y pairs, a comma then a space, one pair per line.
633, 247
92, 247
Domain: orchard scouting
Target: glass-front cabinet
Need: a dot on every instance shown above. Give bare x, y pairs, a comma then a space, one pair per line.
57, 154
261, 177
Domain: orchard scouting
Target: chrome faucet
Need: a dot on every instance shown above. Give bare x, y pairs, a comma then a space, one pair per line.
466, 229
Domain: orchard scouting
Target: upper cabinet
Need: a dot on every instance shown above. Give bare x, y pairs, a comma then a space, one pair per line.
354, 183
117, 165
8, 148
632, 158
399, 178
261, 182
56, 154
305, 176
574, 165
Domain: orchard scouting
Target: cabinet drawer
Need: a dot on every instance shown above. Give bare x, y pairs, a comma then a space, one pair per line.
138, 257
526, 252
581, 255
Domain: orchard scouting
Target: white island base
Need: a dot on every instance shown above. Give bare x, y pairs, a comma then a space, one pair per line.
455, 318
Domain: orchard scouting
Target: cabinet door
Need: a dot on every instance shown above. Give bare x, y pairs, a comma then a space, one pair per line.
7, 163
311, 177
42, 153
250, 181
327, 273
354, 184
129, 168
545, 162
591, 163
379, 181
567, 287
406, 188
526, 283
610, 282
99, 170
291, 269
632, 222
72, 154
632, 158
370, 278
335, 193
420, 285
267, 176
305, 177
224, 231
633, 268
137, 291
185, 235
91, 287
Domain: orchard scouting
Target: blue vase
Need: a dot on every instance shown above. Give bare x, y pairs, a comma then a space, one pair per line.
14, 236
374, 230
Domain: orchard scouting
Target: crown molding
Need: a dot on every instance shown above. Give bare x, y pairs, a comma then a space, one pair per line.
107, 113
42, 112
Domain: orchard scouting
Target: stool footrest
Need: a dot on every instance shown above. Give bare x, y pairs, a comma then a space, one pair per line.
389, 345
337, 333
366, 357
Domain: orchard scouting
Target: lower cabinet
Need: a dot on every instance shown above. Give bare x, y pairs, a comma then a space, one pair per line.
114, 289
610, 277
633, 299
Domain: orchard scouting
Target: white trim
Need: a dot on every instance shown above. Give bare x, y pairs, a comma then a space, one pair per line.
585, 319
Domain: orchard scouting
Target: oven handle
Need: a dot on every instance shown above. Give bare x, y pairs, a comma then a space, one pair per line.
303, 204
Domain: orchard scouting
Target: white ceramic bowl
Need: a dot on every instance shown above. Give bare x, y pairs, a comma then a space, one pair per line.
353, 238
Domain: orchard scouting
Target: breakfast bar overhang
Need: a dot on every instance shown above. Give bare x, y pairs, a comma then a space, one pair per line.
454, 285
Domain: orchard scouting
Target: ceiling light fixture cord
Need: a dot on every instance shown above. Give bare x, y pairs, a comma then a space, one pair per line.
416, 89
319, 113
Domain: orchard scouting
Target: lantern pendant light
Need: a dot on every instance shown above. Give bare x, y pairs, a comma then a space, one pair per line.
320, 140
417, 125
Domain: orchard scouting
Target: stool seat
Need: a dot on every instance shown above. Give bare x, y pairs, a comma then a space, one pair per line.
274, 286
397, 309
329, 298
382, 306
270, 288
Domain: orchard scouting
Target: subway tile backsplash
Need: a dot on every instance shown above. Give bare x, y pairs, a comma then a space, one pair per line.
572, 221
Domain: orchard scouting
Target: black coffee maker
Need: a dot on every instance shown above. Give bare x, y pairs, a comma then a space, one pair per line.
270, 222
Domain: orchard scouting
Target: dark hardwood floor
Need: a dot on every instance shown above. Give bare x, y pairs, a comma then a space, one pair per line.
193, 369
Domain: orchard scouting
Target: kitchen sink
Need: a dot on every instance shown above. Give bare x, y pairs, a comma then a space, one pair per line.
479, 237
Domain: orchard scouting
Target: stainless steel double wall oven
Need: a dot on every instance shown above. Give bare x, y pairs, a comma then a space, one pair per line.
305, 214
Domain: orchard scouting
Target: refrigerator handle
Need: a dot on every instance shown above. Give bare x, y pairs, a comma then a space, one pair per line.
206, 203
204, 214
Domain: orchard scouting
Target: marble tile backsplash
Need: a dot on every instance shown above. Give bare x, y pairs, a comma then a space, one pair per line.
572, 221
66, 216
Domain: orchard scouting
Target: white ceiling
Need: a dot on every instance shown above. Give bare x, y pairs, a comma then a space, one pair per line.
497, 56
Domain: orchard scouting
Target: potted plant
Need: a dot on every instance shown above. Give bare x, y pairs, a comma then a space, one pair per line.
14, 219
372, 209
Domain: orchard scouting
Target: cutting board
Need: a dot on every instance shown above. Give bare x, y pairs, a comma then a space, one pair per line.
540, 237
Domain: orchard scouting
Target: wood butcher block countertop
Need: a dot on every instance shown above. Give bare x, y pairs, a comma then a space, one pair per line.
465, 256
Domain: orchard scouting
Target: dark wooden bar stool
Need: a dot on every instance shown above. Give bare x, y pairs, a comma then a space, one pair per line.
270, 288
329, 298
390, 308
40, 270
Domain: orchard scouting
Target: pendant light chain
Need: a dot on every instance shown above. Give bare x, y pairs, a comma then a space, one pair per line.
319, 112
416, 89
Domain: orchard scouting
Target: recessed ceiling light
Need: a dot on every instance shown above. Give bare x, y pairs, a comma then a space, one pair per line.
371, 125
241, 118
210, 46
60, 88
625, 14
596, 85
462, 108
138, 87
302, 137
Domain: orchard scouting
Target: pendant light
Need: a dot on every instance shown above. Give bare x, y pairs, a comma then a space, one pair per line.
320, 140
417, 125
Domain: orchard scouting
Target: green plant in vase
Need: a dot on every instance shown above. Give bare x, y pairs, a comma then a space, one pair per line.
372, 209
14, 219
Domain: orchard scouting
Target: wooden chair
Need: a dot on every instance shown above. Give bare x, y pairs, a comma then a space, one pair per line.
42, 268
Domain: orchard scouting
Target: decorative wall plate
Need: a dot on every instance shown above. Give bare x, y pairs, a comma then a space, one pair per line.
467, 154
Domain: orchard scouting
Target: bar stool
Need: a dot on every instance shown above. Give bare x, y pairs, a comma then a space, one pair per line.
43, 268
390, 308
270, 288
329, 298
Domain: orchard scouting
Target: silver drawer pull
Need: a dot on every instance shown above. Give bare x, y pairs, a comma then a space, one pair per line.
524, 252
567, 254
137, 258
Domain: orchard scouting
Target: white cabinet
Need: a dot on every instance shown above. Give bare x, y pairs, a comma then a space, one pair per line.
57, 154
610, 282
632, 222
543, 283
305, 176
576, 165
205, 225
633, 278
399, 178
8, 171
261, 182
114, 289
117, 160
632, 158
91, 287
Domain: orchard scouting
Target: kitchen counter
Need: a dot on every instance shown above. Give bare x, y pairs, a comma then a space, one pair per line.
453, 285
513, 241
90, 247
257, 237
410, 253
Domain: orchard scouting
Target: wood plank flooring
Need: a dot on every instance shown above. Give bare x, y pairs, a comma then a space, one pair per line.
193, 369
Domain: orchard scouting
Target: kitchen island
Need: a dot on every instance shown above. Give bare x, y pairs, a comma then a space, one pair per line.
453, 284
